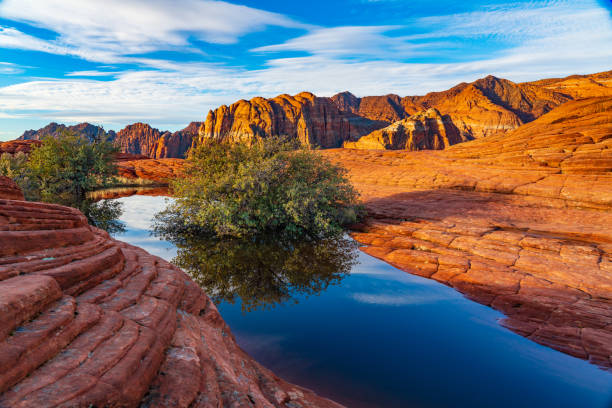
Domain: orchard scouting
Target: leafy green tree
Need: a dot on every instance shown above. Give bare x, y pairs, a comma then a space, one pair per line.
65, 168
271, 186
15, 166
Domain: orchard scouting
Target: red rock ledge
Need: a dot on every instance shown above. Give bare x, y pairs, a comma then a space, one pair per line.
86, 320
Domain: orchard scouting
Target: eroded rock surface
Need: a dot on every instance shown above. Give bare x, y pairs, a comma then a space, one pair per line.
312, 120
520, 222
17, 146
427, 130
89, 321
160, 170
8, 189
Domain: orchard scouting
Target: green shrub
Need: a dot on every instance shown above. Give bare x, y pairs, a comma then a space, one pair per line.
271, 186
65, 168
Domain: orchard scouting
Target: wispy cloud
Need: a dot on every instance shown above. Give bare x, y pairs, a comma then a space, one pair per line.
9, 68
108, 30
91, 73
369, 41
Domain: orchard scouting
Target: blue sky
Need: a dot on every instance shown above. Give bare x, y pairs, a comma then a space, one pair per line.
115, 62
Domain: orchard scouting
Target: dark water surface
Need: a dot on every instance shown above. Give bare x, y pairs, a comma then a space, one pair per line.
379, 337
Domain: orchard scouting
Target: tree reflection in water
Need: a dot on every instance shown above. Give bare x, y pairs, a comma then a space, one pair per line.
103, 214
266, 271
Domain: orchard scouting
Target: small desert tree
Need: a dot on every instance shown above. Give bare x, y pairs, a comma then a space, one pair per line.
65, 168
271, 186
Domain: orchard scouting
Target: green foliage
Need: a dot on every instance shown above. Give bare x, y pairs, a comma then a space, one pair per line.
16, 167
272, 186
103, 214
64, 169
263, 272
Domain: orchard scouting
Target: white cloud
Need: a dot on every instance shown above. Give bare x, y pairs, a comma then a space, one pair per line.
397, 299
106, 30
347, 41
92, 73
514, 21
9, 68
12, 38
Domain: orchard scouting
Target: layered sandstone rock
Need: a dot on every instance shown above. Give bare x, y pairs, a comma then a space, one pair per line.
138, 138
159, 170
313, 121
521, 222
426, 130
89, 321
10, 190
17, 146
387, 108
176, 145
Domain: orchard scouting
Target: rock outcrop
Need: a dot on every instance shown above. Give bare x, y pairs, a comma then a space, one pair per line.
521, 222
159, 170
387, 108
9, 190
313, 121
89, 321
427, 130
482, 108
17, 146
138, 138
176, 145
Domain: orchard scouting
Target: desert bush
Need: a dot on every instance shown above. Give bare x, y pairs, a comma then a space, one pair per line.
271, 186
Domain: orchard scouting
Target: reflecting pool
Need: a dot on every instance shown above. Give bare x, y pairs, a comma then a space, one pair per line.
365, 334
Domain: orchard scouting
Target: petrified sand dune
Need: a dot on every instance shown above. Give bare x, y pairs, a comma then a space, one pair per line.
427, 130
160, 170
16, 146
521, 222
89, 321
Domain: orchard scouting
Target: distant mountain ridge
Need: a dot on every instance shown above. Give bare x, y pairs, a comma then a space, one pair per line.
485, 107
138, 138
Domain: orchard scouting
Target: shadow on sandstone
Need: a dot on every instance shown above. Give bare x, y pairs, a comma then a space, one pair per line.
546, 268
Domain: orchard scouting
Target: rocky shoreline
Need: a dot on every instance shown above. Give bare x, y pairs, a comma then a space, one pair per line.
86, 320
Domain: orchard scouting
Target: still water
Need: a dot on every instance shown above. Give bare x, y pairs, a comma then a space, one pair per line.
365, 334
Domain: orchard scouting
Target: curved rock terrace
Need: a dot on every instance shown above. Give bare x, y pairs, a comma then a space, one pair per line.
86, 321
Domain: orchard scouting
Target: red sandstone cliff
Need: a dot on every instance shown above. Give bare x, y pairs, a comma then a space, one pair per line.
427, 130
16, 146
89, 321
482, 108
312, 120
